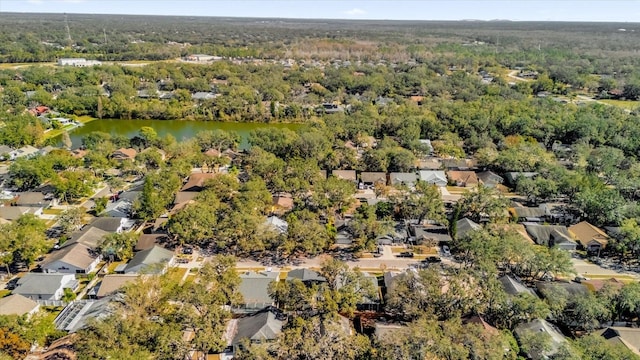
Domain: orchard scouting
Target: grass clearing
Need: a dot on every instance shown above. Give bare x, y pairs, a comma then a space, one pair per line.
625, 104
52, 211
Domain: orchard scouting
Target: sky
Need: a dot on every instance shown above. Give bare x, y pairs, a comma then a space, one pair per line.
516, 10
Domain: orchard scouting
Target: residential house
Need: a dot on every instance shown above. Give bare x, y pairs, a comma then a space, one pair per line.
113, 224
261, 327
74, 259
460, 164
489, 178
11, 213
370, 179
17, 304
330, 108
89, 236
426, 145
551, 235
514, 287
590, 237
528, 214
202, 57
343, 238
466, 226
147, 241
373, 302
595, 285
462, 178
202, 95
628, 337
253, 287
307, 276
430, 234
112, 283
78, 314
386, 331
25, 151
47, 149
40, 286
196, 181
349, 175
36, 200
121, 208
77, 62
436, 177
550, 288
124, 154
150, 261
5, 152
431, 163
403, 178
277, 224
512, 177
556, 339
282, 203
478, 320
182, 199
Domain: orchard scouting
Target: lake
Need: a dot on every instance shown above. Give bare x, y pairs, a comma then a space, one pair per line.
181, 130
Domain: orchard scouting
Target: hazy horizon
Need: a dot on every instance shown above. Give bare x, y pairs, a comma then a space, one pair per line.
626, 11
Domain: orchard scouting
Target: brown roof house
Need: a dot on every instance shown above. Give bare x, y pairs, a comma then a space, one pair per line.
373, 178
282, 203
349, 175
114, 282
124, 154
197, 181
462, 178
629, 337
590, 237
74, 259
17, 304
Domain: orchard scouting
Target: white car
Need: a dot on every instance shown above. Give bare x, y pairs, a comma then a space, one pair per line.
445, 250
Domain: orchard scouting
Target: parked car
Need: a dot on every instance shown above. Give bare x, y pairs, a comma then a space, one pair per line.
406, 254
187, 251
445, 250
432, 259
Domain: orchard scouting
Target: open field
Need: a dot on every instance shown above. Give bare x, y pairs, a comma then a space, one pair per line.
625, 104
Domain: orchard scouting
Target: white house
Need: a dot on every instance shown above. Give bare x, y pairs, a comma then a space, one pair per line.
41, 286
77, 62
436, 177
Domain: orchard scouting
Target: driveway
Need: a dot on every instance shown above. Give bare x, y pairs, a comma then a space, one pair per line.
587, 269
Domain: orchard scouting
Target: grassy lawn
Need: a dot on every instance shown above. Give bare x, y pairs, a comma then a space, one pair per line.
625, 104
180, 272
57, 132
4, 292
112, 267
52, 211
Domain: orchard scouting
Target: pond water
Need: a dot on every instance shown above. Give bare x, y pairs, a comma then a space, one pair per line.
180, 129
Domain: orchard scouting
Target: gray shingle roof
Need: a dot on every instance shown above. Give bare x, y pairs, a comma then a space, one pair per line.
40, 283
263, 326
464, 226
146, 259
305, 275
542, 326
514, 287
254, 287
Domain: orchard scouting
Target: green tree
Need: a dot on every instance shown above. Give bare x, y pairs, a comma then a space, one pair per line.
485, 203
